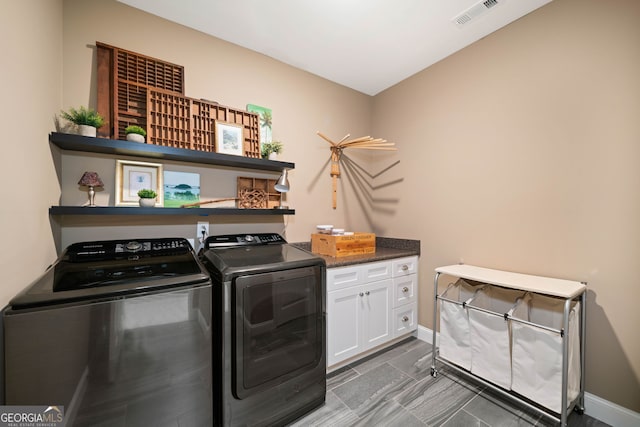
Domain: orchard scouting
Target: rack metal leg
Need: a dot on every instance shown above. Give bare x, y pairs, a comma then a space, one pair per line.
583, 341
565, 361
434, 371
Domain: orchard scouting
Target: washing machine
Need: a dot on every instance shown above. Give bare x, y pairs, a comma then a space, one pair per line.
114, 333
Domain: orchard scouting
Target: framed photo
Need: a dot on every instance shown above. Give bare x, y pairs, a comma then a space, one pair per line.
132, 177
265, 121
229, 138
181, 188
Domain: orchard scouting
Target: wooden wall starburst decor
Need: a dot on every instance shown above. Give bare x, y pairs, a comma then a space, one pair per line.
364, 142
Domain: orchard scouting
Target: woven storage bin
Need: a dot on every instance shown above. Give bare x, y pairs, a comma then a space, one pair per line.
537, 353
490, 337
455, 339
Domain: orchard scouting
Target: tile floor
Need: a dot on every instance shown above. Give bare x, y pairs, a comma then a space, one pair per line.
394, 388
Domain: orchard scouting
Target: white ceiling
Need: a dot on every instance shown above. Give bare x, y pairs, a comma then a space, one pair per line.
367, 45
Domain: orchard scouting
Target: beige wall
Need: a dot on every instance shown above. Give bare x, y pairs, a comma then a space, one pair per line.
521, 153
302, 104
31, 46
516, 153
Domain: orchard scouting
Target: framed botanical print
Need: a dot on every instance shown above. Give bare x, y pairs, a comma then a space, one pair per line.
132, 177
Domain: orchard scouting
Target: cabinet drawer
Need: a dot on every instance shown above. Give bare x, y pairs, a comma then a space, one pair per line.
376, 271
405, 266
405, 319
343, 277
405, 289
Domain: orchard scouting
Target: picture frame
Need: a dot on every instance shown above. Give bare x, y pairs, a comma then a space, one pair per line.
229, 138
132, 176
180, 188
265, 120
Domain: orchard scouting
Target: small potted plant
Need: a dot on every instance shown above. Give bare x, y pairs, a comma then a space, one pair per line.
135, 133
270, 150
147, 198
86, 119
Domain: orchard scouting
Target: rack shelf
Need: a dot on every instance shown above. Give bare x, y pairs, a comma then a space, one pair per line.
135, 210
563, 365
73, 142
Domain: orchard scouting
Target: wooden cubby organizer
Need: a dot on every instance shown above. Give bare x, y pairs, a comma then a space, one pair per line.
79, 143
550, 341
135, 89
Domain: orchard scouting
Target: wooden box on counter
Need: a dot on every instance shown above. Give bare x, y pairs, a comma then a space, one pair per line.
339, 246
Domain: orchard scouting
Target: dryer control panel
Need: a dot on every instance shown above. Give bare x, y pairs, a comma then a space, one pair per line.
229, 240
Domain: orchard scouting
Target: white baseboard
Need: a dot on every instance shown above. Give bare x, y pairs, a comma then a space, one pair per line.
609, 412
594, 406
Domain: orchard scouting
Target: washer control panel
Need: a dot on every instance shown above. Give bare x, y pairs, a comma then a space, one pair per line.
114, 249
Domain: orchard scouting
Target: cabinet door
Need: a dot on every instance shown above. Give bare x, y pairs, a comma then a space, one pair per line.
377, 320
404, 290
405, 319
376, 271
343, 277
405, 266
344, 324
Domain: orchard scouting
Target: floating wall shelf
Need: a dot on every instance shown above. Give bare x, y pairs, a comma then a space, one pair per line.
73, 142
85, 144
135, 210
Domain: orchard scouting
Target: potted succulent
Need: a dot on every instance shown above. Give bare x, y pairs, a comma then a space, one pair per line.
86, 119
270, 150
135, 133
147, 198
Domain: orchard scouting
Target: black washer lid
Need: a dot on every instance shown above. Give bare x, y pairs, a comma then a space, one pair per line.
110, 269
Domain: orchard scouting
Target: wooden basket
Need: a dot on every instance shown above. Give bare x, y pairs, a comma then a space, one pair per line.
272, 197
340, 246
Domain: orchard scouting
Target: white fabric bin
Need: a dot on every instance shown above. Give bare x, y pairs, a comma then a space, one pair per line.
537, 353
490, 338
455, 344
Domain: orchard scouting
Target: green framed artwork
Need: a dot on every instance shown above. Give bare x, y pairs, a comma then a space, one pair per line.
265, 119
181, 188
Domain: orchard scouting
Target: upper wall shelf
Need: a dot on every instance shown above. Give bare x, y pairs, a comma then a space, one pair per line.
134, 210
73, 142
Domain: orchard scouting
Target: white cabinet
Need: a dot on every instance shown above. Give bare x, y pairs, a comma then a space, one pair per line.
368, 305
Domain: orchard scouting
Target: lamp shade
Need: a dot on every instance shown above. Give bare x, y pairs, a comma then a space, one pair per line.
282, 186
91, 179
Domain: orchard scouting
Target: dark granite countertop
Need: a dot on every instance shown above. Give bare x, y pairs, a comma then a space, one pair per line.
386, 248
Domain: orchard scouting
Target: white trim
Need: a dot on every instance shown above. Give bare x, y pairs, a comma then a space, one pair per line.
610, 412
594, 406
425, 334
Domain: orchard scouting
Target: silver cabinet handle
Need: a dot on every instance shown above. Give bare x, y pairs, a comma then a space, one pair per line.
405, 289
361, 294
405, 267
405, 318
367, 293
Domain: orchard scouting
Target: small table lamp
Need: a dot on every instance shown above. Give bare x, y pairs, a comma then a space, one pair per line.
282, 186
91, 179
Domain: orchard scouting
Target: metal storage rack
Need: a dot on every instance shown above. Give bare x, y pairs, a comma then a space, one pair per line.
564, 289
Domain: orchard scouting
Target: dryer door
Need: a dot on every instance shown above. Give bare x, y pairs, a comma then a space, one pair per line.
277, 328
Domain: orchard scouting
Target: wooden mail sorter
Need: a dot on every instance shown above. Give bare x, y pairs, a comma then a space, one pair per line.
520, 335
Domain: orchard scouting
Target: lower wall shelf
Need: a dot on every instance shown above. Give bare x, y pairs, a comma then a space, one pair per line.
135, 210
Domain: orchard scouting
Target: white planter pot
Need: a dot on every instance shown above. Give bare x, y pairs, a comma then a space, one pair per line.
86, 130
147, 203
273, 156
135, 137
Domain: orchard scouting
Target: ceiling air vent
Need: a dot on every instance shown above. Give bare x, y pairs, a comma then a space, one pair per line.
475, 11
